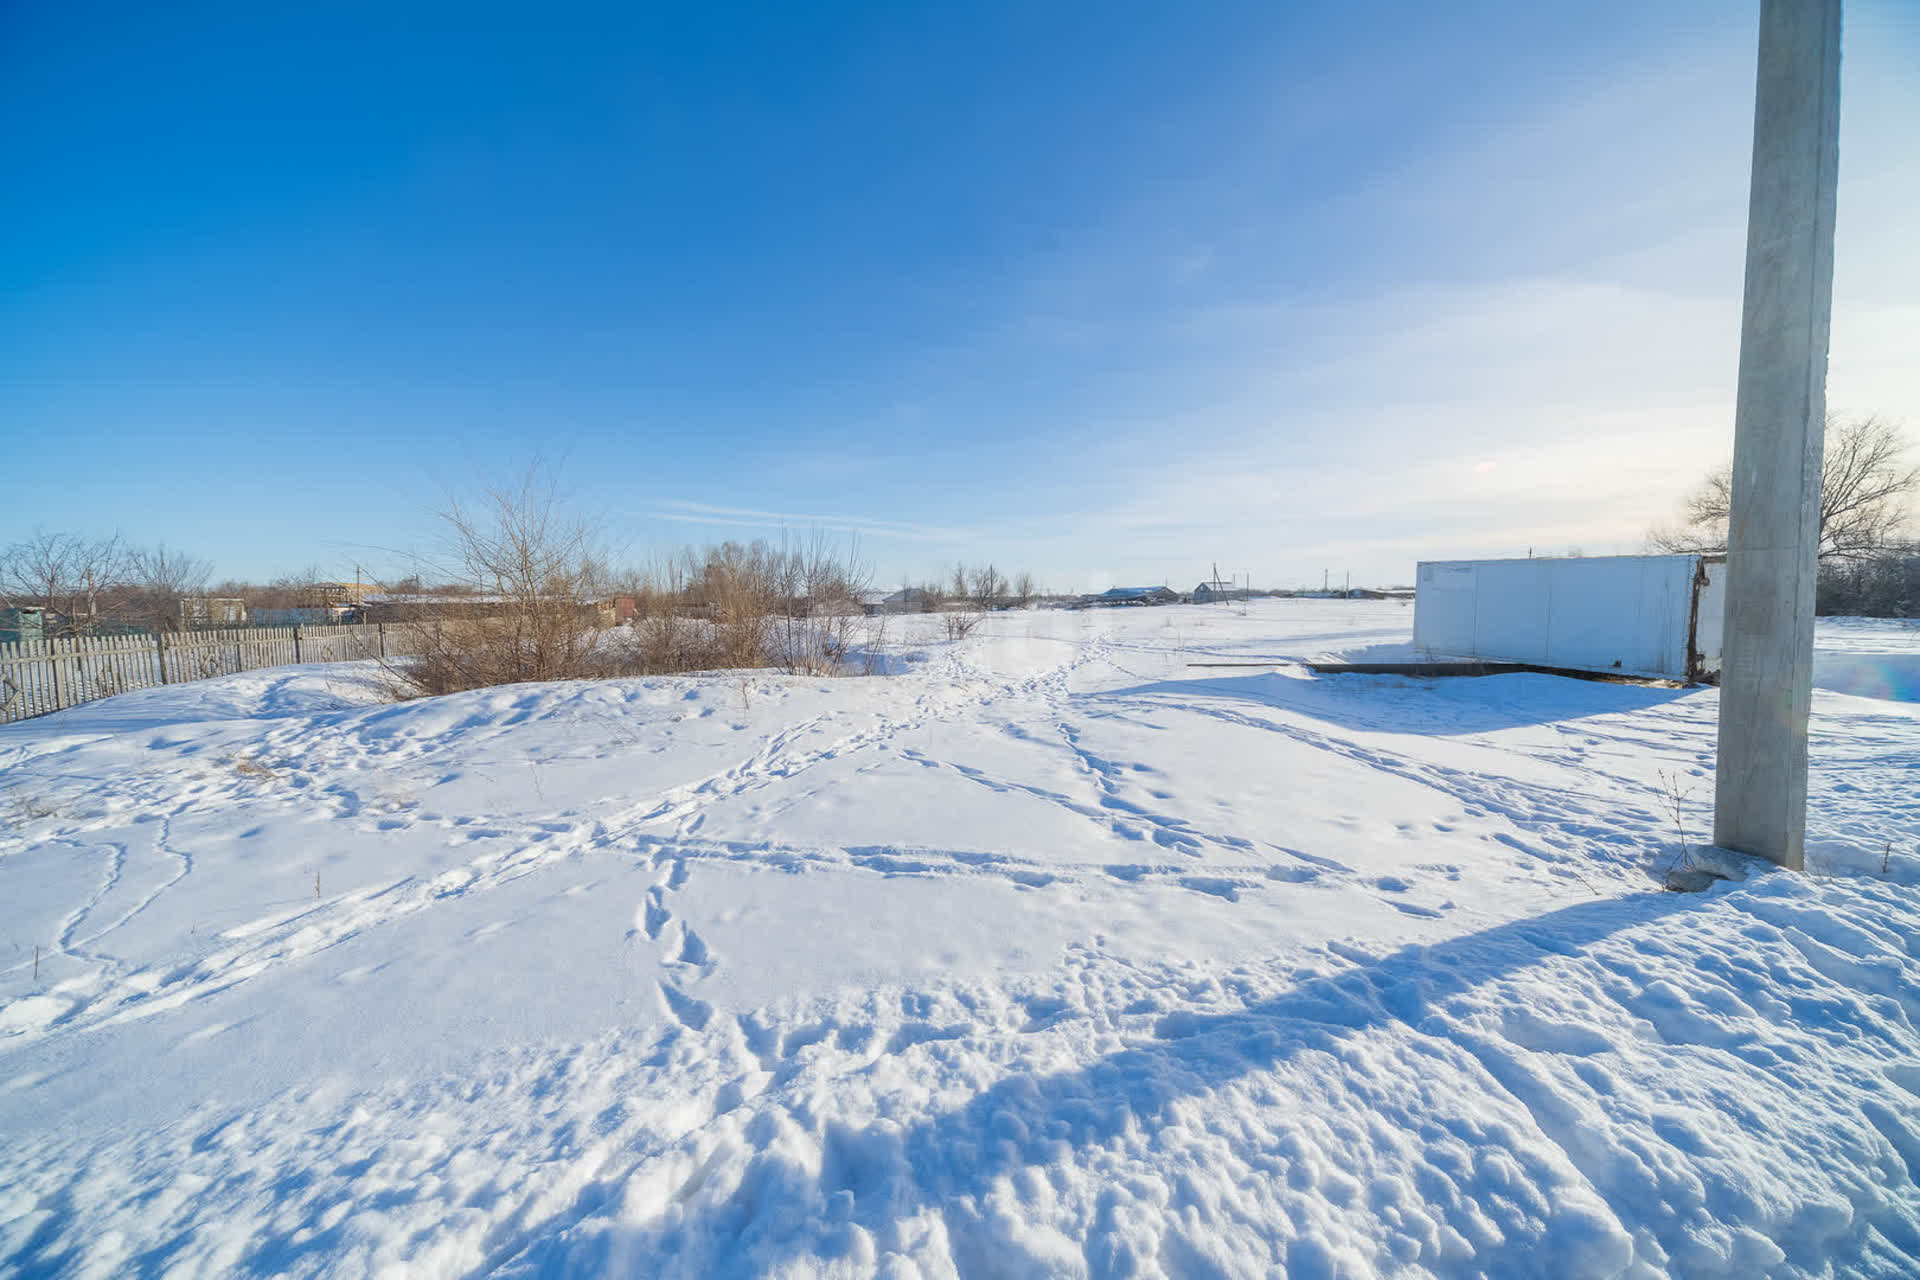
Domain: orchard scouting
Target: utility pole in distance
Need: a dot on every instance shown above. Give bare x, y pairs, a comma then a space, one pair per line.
1766, 683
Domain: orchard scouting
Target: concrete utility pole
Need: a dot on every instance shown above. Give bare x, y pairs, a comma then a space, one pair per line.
1766, 683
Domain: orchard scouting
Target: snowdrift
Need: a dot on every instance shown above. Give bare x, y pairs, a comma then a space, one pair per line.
1054, 954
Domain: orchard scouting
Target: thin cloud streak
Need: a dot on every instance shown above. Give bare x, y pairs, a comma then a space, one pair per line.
687, 512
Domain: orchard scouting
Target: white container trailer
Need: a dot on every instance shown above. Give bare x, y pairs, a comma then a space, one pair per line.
1652, 616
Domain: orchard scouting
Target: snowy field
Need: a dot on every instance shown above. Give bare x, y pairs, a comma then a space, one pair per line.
1051, 954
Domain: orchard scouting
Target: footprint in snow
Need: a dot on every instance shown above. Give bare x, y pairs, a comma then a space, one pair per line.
1214, 885
653, 915
691, 1012
693, 950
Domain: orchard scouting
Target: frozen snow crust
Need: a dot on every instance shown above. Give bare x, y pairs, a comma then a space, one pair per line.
1051, 955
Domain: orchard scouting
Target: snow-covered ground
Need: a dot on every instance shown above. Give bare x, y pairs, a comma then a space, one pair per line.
1054, 954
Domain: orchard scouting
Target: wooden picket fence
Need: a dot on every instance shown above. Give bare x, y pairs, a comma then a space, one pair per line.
42, 676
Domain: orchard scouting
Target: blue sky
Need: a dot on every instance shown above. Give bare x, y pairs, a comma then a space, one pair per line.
1112, 291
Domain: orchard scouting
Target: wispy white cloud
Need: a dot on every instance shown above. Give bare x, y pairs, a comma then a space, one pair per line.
1548, 361
688, 512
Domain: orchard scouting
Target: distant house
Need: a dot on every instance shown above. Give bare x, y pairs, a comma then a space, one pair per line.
1214, 591
1135, 595
212, 611
905, 600
615, 611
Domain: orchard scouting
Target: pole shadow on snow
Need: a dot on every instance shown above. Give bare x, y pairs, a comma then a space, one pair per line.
1438, 707
949, 1163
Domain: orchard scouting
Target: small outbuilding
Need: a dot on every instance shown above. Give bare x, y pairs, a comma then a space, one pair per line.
17, 625
1648, 616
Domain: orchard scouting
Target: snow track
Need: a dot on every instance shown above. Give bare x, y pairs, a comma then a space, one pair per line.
1052, 957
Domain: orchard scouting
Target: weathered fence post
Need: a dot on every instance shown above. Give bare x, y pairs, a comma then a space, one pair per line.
297, 659
160, 652
380, 632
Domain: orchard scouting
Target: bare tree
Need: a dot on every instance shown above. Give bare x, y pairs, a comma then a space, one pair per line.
987, 587
161, 579
38, 570
1023, 589
1866, 490
81, 579
100, 582
1703, 518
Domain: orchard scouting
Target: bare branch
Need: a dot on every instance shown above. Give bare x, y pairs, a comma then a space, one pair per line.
1866, 494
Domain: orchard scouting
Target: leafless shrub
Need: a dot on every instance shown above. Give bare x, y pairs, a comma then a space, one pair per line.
531, 576
740, 585
674, 629
1680, 872
824, 585
23, 807
247, 767
797, 606
527, 570
960, 623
